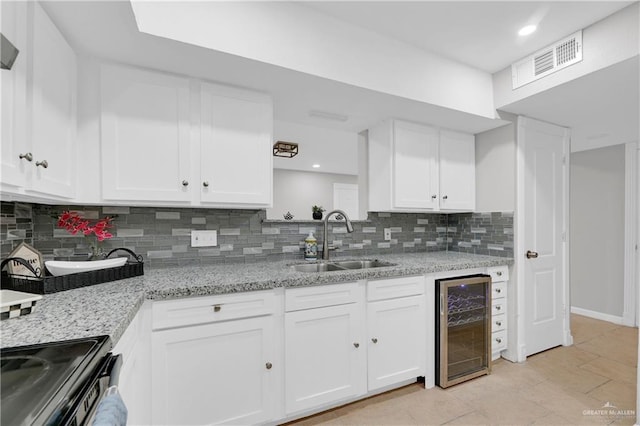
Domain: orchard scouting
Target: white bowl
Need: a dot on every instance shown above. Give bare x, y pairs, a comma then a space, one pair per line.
59, 267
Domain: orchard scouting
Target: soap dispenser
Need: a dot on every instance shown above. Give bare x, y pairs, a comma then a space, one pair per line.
310, 247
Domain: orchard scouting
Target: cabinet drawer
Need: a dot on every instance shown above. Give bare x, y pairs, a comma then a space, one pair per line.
395, 287
498, 290
498, 341
498, 323
499, 273
206, 309
498, 307
321, 296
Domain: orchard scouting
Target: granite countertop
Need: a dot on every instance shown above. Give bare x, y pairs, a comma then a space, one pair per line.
107, 309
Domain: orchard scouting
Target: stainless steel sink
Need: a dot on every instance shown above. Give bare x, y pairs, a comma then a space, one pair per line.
343, 265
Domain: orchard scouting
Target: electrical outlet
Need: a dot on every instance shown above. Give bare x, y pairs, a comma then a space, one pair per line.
204, 238
387, 234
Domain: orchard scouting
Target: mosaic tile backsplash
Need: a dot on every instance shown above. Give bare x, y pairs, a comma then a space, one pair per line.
162, 235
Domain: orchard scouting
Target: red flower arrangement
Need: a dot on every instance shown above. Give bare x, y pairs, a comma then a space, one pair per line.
74, 224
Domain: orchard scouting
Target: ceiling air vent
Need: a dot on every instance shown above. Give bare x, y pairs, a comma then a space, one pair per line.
565, 52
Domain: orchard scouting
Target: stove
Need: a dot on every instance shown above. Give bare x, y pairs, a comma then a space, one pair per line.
55, 383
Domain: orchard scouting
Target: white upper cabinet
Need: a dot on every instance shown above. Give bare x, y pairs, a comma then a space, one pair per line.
414, 167
38, 108
236, 159
170, 140
457, 171
145, 136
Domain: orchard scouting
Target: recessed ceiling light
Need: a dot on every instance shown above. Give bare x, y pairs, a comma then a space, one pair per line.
316, 166
526, 30
328, 115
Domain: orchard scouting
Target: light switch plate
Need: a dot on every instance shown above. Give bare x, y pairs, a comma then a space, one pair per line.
204, 238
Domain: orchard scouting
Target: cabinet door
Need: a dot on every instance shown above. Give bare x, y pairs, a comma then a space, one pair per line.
457, 171
13, 92
396, 340
325, 356
145, 136
53, 119
415, 162
236, 158
217, 373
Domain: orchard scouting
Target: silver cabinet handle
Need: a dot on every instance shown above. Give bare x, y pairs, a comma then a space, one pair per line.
498, 340
499, 273
28, 156
268, 365
444, 197
357, 345
498, 307
374, 340
205, 184
42, 163
498, 290
433, 197
498, 323
216, 308
185, 183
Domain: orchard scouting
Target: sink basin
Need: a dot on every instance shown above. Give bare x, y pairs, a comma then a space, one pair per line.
343, 265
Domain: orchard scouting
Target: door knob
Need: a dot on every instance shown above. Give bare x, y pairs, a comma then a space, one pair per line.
532, 254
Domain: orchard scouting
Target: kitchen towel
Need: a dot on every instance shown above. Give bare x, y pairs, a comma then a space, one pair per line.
111, 410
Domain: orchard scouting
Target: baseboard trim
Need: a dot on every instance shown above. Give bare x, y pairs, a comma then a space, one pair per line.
597, 315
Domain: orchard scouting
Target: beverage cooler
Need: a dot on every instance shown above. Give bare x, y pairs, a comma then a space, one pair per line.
463, 329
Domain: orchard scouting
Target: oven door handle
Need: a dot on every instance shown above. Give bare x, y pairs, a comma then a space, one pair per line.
112, 369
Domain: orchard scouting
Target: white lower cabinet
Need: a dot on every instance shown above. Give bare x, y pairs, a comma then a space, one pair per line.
219, 370
397, 344
324, 351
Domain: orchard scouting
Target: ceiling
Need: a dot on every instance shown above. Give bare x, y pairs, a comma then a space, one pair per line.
481, 34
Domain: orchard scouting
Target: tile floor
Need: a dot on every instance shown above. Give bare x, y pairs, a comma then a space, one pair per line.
551, 388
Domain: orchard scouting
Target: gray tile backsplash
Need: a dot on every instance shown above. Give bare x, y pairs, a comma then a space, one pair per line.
162, 235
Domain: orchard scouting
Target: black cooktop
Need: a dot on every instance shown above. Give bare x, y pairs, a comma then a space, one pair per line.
37, 381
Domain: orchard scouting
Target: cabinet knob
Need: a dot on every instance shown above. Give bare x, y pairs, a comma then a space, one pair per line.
268, 365
216, 308
498, 340
498, 290
28, 156
498, 323
498, 307
499, 273
374, 340
205, 184
434, 196
444, 197
357, 345
185, 183
42, 163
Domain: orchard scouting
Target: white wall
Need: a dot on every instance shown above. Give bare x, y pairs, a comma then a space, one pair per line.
607, 42
597, 230
495, 169
296, 191
335, 150
323, 46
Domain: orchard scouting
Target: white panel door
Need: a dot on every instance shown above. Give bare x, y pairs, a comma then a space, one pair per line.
53, 125
396, 340
13, 93
221, 373
145, 136
236, 158
345, 197
457, 171
415, 162
544, 216
325, 356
